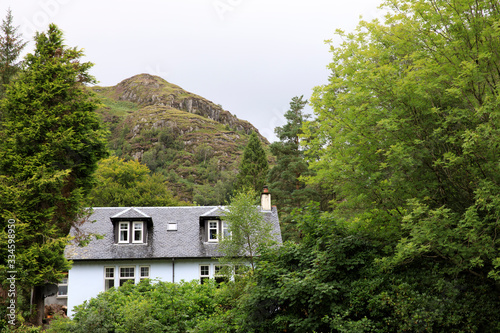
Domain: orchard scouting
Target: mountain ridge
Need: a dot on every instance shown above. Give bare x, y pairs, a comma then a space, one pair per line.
194, 142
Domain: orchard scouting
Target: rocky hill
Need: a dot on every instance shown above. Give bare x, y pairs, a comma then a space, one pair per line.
191, 140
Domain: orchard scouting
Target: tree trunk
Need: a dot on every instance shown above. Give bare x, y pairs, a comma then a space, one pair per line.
37, 301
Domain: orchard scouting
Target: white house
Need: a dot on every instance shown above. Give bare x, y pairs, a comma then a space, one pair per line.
166, 243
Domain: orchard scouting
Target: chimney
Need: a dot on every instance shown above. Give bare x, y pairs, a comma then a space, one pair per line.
265, 200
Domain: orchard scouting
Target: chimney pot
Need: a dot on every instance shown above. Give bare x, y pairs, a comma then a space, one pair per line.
265, 200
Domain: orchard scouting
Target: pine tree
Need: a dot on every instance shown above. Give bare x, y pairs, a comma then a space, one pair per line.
284, 179
50, 143
11, 46
254, 166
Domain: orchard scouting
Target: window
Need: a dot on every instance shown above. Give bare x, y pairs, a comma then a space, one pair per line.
127, 274
138, 232
109, 277
172, 226
123, 232
221, 273
144, 272
131, 232
225, 230
63, 287
213, 230
204, 273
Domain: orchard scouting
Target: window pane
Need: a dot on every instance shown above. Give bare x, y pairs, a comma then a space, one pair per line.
63, 290
138, 228
144, 271
212, 230
225, 230
204, 270
127, 271
109, 284
110, 272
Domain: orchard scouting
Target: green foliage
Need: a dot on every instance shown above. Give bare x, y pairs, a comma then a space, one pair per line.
332, 282
254, 166
407, 132
285, 178
50, 142
146, 307
250, 233
11, 46
122, 184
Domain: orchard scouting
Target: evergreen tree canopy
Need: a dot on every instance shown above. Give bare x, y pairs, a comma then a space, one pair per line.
285, 177
254, 166
11, 46
50, 143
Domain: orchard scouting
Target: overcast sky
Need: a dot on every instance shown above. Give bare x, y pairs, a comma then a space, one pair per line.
250, 56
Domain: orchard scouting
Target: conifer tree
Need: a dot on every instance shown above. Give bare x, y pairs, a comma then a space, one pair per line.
254, 166
284, 179
50, 143
11, 46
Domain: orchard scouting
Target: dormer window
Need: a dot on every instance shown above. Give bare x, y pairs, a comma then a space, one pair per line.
216, 230
131, 232
124, 232
138, 232
213, 231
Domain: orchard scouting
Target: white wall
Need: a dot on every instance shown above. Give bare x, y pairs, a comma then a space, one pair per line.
86, 279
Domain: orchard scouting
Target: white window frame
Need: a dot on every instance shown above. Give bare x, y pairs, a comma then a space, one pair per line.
142, 277
225, 230
120, 232
109, 278
202, 275
209, 228
120, 277
141, 229
63, 283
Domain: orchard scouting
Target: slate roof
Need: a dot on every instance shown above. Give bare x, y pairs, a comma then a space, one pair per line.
186, 242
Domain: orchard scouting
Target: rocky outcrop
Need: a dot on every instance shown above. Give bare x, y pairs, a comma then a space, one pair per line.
146, 90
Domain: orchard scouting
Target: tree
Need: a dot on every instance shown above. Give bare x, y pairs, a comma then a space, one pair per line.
332, 282
11, 46
249, 232
51, 141
408, 135
285, 177
122, 184
254, 166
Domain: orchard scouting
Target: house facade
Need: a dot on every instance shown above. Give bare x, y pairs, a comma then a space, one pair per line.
166, 243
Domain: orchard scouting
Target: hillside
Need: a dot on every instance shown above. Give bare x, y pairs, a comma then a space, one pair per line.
191, 140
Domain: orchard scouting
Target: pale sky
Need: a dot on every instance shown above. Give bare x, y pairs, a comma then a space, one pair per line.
250, 56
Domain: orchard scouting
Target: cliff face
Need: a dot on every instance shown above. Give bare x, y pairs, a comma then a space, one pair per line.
146, 90
187, 137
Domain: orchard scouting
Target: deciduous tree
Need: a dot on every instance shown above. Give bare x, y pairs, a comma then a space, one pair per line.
249, 231
408, 134
129, 183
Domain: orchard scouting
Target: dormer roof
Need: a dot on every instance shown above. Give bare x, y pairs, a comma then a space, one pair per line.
162, 242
